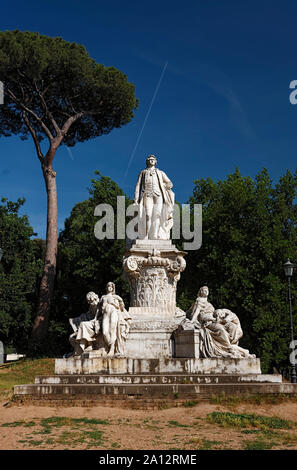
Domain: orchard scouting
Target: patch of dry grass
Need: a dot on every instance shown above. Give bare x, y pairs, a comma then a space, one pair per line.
22, 372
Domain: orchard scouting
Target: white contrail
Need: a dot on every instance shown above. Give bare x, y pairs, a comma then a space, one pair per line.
146, 118
70, 153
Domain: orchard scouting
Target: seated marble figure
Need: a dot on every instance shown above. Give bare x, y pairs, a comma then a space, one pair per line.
103, 328
86, 326
219, 329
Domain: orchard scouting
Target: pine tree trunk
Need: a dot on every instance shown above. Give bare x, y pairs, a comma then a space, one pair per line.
41, 322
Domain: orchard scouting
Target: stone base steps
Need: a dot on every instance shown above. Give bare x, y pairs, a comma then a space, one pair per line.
146, 379
150, 383
151, 390
146, 395
112, 401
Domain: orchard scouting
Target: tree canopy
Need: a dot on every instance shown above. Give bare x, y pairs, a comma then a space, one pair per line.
49, 83
249, 230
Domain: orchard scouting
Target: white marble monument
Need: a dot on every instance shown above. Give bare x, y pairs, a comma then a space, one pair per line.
153, 327
154, 349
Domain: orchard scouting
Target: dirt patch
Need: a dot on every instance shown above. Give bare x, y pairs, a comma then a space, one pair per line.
184, 428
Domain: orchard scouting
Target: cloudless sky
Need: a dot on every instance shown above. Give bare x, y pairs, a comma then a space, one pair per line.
212, 78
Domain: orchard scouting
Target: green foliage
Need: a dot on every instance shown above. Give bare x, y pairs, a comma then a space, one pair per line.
84, 262
20, 271
57, 79
249, 230
244, 420
260, 444
23, 372
177, 424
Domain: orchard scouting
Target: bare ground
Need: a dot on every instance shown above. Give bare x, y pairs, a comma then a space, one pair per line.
101, 427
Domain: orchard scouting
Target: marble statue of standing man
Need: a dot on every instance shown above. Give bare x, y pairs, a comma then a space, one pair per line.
156, 200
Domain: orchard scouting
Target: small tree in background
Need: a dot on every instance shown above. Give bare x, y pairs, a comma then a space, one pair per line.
20, 272
55, 91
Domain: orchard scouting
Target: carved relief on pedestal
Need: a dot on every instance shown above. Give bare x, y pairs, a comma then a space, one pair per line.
153, 279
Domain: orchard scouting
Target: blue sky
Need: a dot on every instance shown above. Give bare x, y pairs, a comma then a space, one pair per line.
223, 68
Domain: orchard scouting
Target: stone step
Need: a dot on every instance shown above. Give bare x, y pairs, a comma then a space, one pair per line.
111, 401
152, 390
157, 379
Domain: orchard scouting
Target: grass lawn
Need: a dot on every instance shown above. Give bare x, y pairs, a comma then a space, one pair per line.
22, 372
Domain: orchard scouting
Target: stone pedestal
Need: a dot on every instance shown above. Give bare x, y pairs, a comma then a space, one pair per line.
153, 268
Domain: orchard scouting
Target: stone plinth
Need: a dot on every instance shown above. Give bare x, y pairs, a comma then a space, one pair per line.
153, 269
88, 363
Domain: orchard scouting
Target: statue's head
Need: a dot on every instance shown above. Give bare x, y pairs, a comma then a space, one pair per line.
151, 161
219, 313
110, 287
92, 298
203, 291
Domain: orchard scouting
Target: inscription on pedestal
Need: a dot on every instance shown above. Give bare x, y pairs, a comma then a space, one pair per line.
187, 343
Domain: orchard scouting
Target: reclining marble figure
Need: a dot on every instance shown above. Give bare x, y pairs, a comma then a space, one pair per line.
219, 330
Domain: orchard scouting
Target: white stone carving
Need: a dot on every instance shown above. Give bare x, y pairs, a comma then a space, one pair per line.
104, 327
115, 321
153, 270
86, 326
156, 202
154, 327
219, 330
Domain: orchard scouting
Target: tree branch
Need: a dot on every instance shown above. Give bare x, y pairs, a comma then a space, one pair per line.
17, 101
34, 136
70, 121
48, 113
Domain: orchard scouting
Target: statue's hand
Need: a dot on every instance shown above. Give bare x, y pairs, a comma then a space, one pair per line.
74, 327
